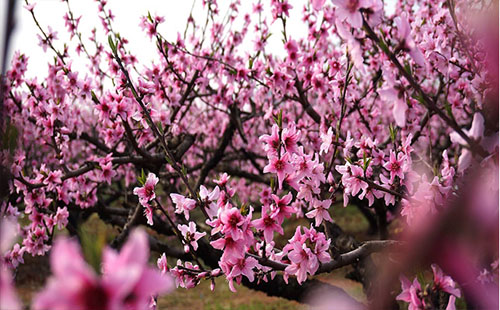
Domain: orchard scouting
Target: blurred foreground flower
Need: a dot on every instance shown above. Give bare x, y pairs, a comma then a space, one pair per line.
127, 281
8, 298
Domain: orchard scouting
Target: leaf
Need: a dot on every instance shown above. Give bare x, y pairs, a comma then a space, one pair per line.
273, 185
383, 45
244, 209
169, 160
112, 44
160, 127
94, 97
142, 178
447, 107
408, 68
366, 164
392, 132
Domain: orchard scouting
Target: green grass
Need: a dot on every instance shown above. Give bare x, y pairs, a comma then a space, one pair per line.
350, 220
222, 298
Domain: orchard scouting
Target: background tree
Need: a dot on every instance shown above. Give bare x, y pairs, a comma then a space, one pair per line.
222, 146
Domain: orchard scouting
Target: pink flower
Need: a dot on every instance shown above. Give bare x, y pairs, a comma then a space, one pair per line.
61, 217
374, 13
307, 189
291, 47
317, 4
107, 173
395, 165
451, 303
396, 94
320, 211
272, 142
303, 261
242, 267
305, 252
352, 180
444, 282
349, 10
410, 293
399, 111
146, 193
348, 144
406, 145
326, 139
130, 276
475, 132
370, 194
209, 196
183, 204
281, 209
127, 281
299, 270
232, 222
210, 199
222, 181
35, 241
73, 284
30, 7
388, 198
148, 213
190, 235
15, 256
268, 225
182, 277
232, 249
162, 264
280, 166
52, 179
290, 136
404, 34
280, 8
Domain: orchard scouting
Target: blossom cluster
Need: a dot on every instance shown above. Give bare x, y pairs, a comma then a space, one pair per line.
413, 294
227, 148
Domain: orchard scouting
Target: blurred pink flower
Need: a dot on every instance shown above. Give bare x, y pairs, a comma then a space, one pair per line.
127, 281
408, 44
317, 4
8, 299
349, 10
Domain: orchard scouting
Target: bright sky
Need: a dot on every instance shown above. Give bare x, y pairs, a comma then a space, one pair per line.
127, 17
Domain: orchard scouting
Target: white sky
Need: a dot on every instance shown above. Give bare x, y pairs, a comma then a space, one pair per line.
127, 17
